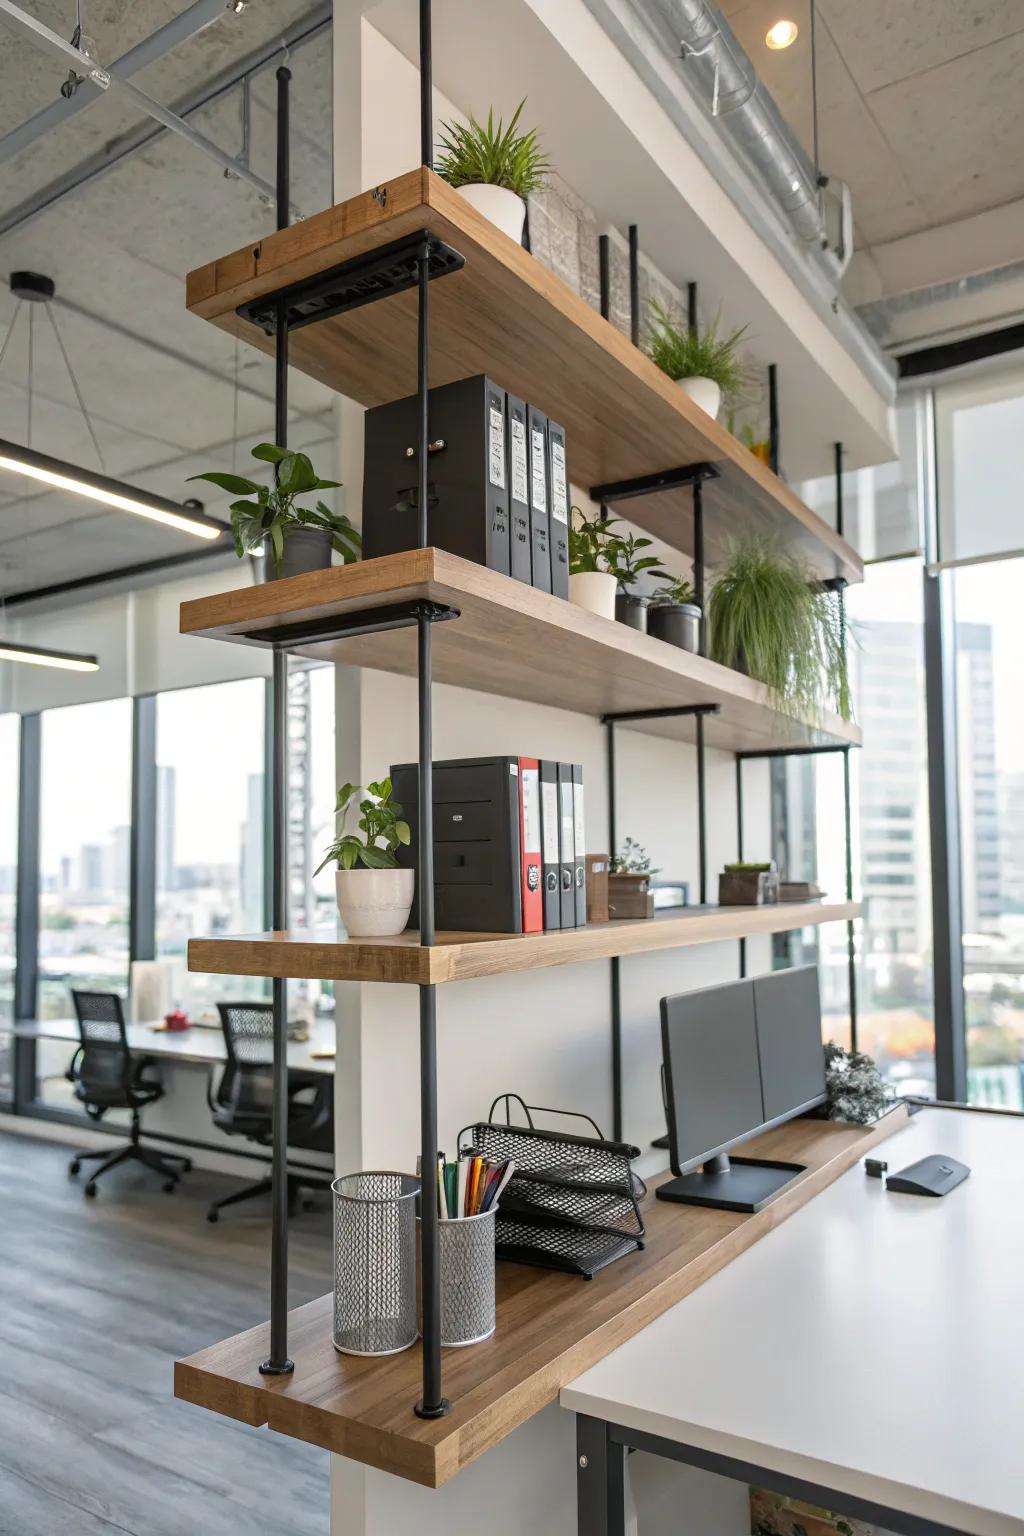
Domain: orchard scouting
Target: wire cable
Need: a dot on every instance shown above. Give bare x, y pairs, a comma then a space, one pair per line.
74, 385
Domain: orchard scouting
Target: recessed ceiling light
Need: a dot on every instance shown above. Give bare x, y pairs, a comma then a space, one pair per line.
782, 34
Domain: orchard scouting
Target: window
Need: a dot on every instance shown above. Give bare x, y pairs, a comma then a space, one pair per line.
312, 781
9, 743
85, 838
209, 829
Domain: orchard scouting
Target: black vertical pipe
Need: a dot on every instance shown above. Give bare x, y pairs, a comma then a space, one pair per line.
616, 980
698, 564
739, 846
142, 872
691, 308
426, 88
278, 1363
702, 811
773, 417
851, 942
26, 911
604, 274
634, 285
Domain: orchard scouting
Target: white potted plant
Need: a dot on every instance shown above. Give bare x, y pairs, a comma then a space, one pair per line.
592, 580
706, 365
494, 168
374, 901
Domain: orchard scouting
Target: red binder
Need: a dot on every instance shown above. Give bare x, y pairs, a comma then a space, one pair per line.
530, 844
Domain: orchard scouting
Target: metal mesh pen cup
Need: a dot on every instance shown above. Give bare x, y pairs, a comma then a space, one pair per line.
467, 1279
374, 1262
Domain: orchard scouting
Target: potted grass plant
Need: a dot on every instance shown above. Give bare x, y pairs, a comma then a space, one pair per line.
673, 615
705, 363
494, 168
628, 563
374, 900
591, 580
269, 521
769, 617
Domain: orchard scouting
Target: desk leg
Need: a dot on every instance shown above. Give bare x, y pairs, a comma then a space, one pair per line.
600, 1480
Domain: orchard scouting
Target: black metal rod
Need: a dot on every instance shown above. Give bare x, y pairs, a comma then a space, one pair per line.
702, 816
278, 1363
426, 87
634, 285
668, 712
769, 752
837, 461
698, 564
423, 396
851, 947
773, 417
739, 846
604, 274
615, 976
691, 308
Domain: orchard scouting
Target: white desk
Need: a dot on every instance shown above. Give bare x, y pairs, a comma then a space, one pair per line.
871, 1347
199, 1045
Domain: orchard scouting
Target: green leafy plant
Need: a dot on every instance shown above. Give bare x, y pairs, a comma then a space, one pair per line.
380, 823
272, 513
626, 562
589, 541
633, 860
770, 618
677, 589
497, 156
746, 867
699, 354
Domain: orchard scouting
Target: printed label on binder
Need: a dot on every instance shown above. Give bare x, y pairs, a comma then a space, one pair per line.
496, 468
559, 496
519, 487
540, 489
579, 824
549, 791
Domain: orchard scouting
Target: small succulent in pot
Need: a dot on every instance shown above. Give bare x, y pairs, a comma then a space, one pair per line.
673, 615
628, 563
494, 168
377, 899
705, 363
269, 520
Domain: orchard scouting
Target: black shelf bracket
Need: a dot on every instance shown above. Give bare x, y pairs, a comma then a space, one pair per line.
670, 712
682, 478
365, 621
378, 274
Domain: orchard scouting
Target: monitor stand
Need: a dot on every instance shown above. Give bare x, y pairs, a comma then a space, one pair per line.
736, 1184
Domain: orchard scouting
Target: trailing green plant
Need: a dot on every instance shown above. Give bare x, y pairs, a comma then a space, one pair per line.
746, 867
380, 823
677, 589
768, 616
626, 562
633, 860
698, 354
497, 156
270, 511
589, 541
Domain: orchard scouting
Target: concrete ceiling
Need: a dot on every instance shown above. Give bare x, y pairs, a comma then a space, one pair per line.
921, 112
159, 386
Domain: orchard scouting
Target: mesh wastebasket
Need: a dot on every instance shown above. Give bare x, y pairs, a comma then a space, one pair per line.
374, 1262
467, 1278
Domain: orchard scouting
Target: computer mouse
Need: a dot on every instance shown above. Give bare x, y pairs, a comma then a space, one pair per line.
934, 1175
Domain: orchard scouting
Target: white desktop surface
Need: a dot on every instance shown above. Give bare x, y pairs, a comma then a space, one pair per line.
199, 1044
872, 1344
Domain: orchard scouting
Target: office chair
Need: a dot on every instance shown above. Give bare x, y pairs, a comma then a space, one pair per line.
243, 1102
105, 1077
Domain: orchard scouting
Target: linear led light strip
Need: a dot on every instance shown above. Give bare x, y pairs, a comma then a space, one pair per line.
111, 493
66, 661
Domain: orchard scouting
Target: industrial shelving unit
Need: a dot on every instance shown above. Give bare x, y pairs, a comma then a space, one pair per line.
398, 290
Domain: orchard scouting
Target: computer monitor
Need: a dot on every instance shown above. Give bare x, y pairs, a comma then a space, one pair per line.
738, 1058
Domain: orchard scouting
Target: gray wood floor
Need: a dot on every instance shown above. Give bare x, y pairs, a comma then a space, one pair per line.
97, 1299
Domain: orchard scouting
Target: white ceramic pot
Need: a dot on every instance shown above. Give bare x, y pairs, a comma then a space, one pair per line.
374, 903
504, 208
594, 591
703, 392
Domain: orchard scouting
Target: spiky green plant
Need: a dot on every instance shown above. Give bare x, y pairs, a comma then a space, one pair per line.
769, 617
699, 354
497, 156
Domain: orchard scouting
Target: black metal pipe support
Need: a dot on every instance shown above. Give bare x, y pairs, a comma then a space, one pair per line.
426, 87
691, 308
851, 939
702, 811
698, 563
615, 977
739, 846
773, 417
634, 285
604, 274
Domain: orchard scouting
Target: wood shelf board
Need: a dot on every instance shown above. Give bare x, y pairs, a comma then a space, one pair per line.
468, 956
506, 315
551, 1328
513, 641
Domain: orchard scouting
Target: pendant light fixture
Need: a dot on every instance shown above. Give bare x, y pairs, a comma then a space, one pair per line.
36, 656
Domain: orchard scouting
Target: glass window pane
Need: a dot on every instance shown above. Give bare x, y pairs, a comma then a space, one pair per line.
209, 838
880, 503
312, 779
990, 742
979, 425
9, 743
85, 838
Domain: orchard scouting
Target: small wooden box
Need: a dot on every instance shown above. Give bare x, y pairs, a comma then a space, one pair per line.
748, 888
597, 887
630, 896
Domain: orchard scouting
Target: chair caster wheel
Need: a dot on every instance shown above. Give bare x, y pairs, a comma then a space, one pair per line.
90, 1189
213, 1215
186, 1166
170, 1185
74, 1167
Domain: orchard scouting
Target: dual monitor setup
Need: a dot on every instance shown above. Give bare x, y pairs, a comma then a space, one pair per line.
738, 1059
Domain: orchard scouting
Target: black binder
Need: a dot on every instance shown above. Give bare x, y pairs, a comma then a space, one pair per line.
468, 485
579, 846
518, 449
566, 846
551, 870
477, 864
558, 498
539, 520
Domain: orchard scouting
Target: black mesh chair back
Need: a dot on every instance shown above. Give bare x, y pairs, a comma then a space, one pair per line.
103, 1072
247, 1084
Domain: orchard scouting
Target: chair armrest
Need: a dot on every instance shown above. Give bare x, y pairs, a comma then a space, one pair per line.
72, 1072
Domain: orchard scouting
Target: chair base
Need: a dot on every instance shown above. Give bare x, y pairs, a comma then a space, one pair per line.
169, 1165
297, 1183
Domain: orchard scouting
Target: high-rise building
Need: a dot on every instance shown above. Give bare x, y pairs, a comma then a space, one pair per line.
166, 826
979, 821
251, 857
1010, 788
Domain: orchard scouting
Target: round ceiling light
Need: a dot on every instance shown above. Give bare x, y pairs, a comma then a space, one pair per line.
782, 34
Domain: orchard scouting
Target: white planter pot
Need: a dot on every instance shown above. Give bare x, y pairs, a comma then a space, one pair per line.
703, 392
594, 591
374, 902
502, 207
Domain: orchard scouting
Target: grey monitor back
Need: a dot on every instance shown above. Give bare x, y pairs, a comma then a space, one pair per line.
787, 1006
712, 1073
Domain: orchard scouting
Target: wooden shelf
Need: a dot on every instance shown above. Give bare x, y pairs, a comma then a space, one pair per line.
464, 956
506, 315
551, 1327
509, 640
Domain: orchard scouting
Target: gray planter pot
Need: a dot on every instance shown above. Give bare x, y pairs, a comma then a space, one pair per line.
631, 610
307, 549
676, 623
